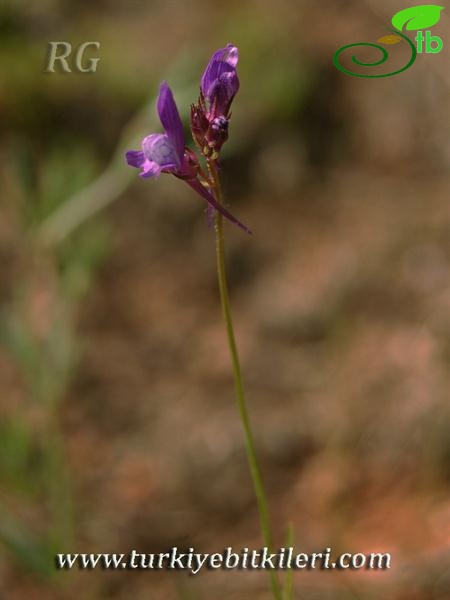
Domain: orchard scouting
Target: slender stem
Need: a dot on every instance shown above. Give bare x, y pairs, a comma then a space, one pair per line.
243, 411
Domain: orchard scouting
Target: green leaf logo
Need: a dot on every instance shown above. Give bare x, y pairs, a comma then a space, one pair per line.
417, 17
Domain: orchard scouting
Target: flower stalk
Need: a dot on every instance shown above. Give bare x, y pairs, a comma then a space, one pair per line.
252, 458
167, 153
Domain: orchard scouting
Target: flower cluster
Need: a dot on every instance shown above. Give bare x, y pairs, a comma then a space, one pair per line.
167, 152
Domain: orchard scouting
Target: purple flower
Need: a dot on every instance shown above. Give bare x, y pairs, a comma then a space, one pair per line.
167, 153
164, 152
220, 83
210, 116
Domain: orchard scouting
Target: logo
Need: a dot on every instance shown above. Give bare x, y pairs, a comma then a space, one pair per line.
416, 18
53, 56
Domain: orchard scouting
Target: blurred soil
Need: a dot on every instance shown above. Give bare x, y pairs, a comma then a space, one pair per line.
340, 303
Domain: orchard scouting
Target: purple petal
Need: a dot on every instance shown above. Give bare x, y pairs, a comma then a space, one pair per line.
159, 149
204, 193
135, 158
150, 169
223, 60
220, 80
170, 118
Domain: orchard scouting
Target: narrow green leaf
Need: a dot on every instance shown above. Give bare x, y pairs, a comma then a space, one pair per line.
288, 584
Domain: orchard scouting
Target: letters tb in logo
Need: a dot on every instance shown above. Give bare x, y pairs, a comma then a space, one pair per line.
60, 51
433, 43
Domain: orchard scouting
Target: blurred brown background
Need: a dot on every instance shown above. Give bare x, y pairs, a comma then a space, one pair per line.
118, 424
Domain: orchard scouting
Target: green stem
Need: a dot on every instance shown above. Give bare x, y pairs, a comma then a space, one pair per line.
243, 411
